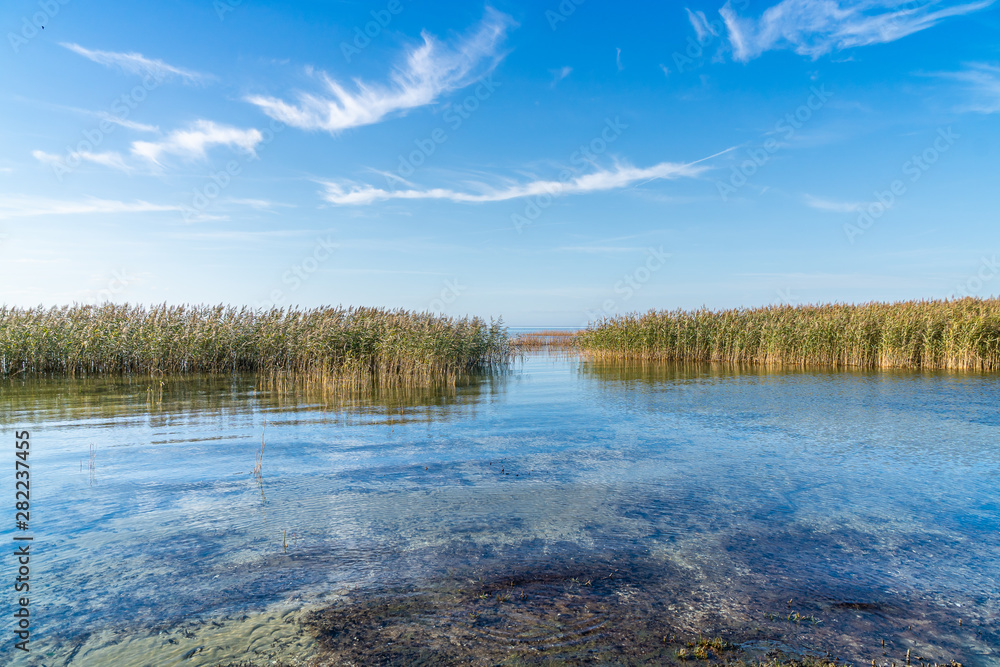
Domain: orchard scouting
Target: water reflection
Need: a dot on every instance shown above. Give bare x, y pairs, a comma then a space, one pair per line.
50, 399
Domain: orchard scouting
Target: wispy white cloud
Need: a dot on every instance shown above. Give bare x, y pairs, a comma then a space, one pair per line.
982, 81
107, 159
559, 74
102, 115
429, 71
190, 143
193, 142
27, 207
235, 235
128, 124
702, 27
599, 250
833, 206
815, 27
351, 193
618, 59
136, 63
259, 204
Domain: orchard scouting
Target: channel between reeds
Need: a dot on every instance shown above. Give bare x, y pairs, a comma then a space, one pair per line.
544, 340
962, 334
353, 347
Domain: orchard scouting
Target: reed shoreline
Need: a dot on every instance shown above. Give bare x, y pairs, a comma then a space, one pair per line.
362, 347
962, 334
349, 346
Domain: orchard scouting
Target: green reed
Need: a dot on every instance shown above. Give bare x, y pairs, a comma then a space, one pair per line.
952, 334
357, 346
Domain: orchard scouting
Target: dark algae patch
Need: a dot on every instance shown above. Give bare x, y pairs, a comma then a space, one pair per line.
637, 611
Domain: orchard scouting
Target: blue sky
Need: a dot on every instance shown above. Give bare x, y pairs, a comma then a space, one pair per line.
548, 162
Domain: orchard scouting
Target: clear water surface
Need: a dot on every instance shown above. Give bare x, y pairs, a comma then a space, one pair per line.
566, 509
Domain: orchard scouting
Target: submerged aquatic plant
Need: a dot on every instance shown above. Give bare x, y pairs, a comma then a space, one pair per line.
257, 471
92, 464
951, 334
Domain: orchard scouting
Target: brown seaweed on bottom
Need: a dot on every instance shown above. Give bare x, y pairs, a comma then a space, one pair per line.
589, 611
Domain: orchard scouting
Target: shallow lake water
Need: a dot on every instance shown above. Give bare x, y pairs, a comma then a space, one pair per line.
565, 510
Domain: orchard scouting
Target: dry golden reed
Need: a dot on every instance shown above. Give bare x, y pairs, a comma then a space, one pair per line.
954, 334
359, 346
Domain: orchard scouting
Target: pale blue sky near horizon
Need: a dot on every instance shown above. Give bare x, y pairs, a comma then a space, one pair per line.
547, 162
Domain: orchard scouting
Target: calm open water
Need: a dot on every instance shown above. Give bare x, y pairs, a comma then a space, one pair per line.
565, 510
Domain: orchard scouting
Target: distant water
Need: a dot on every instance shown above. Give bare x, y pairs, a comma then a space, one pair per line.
566, 509
514, 331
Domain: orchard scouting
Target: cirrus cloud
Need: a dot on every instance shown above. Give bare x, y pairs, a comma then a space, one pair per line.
816, 27
136, 63
428, 72
982, 81
193, 142
110, 159
29, 207
621, 176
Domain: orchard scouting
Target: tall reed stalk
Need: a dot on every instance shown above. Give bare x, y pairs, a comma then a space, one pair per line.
955, 334
358, 346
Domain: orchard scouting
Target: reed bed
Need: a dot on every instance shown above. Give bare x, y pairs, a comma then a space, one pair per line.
356, 347
962, 334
